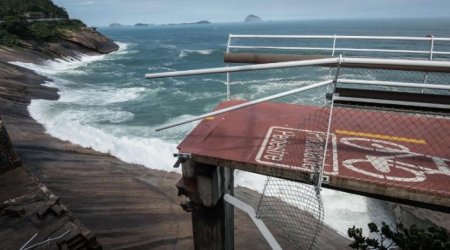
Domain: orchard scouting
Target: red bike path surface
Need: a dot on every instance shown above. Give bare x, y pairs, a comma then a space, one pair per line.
392, 155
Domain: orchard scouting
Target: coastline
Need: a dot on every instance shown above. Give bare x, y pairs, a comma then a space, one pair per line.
125, 205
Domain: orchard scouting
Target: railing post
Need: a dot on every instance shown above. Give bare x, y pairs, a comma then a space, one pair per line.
425, 78
431, 48
228, 73
338, 71
334, 45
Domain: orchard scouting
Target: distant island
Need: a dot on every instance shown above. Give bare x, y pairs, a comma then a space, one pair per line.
142, 25
199, 22
202, 22
116, 25
252, 19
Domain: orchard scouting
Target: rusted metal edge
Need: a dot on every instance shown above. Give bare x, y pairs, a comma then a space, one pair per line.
435, 202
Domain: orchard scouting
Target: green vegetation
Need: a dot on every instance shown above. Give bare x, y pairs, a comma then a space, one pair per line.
31, 9
433, 238
22, 20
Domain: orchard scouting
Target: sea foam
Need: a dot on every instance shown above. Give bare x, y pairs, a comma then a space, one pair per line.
75, 127
81, 126
58, 66
186, 52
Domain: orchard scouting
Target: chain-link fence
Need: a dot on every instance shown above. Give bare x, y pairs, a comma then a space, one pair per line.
291, 208
374, 131
252, 85
387, 146
294, 208
404, 152
401, 76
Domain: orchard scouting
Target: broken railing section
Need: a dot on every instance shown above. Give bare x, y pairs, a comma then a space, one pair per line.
208, 186
388, 65
247, 104
295, 209
210, 190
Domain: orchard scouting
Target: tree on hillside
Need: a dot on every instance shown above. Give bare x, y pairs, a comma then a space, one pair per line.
22, 8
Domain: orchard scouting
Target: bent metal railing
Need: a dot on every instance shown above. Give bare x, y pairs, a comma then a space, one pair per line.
337, 61
334, 39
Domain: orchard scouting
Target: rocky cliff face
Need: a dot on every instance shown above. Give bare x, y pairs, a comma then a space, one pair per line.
85, 41
28, 206
91, 40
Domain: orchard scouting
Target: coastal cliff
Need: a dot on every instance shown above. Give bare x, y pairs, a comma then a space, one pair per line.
74, 43
30, 212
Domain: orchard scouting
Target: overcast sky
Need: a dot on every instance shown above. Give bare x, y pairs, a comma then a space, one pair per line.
104, 12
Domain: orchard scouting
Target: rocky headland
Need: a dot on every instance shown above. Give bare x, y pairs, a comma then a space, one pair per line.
86, 41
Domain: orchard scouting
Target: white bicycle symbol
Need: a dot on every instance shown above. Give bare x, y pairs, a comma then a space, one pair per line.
384, 164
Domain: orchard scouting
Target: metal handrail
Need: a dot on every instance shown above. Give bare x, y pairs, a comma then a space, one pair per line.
334, 39
342, 49
244, 68
411, 38
326, 61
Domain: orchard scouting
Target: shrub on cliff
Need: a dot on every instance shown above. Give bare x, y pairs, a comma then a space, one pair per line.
43, 32
18, 21
8, 39
14, 25
14, 29
433, 238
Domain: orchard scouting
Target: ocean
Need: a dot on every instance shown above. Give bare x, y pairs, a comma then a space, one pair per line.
106, 103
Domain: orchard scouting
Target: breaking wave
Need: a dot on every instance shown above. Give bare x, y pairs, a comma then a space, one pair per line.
187, 52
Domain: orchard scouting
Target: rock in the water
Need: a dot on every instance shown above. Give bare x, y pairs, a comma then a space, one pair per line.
252, 19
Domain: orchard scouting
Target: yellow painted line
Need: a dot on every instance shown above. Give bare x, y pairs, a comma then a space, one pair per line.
380, 136
210, 118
